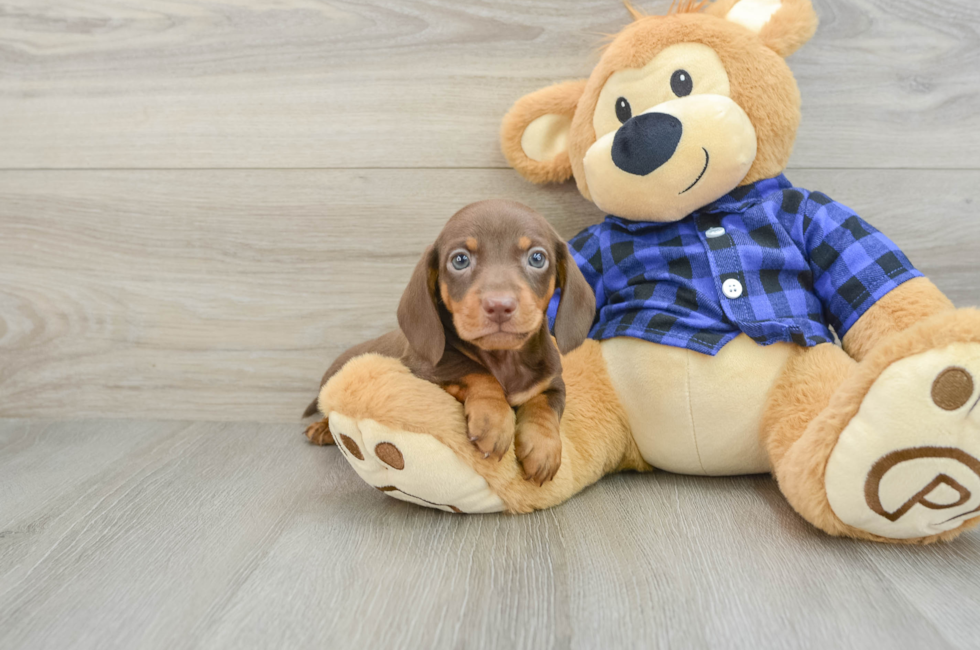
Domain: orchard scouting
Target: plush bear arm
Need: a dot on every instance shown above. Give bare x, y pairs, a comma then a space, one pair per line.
407, 437
904, 306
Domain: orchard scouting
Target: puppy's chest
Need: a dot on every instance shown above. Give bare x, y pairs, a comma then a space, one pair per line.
520, 380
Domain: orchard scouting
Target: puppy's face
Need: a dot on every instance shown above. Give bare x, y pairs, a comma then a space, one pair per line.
494, 269
497, 273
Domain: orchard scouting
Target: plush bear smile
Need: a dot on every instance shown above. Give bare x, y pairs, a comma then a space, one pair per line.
707, 159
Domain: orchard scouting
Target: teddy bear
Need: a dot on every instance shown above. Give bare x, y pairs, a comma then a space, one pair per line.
743, 324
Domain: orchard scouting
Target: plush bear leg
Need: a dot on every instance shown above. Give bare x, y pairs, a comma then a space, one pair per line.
407, 437
319, 434
886, 449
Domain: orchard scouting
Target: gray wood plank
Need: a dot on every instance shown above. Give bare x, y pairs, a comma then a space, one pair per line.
297, 83
217, 535
223, 295
942, 584
143, 553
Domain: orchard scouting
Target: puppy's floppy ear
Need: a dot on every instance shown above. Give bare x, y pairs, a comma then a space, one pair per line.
576, 310
783, 25
534, 134
418, 316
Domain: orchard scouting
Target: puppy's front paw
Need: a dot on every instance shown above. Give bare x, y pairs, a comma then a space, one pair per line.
490, 426
319, 433
539, 450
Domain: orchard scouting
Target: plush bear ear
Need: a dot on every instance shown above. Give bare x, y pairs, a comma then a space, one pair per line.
534, 134
783, 25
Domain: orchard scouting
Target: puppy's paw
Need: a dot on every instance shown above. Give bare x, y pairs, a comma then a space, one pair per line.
539, 451
490, 426
319, 433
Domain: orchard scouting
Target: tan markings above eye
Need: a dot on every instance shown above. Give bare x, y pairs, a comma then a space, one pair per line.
471, 243
524, 243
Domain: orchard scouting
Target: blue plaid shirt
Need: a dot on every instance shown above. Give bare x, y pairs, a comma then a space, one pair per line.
802, 261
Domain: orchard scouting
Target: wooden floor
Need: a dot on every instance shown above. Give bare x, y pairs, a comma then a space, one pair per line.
135, 534
202, 203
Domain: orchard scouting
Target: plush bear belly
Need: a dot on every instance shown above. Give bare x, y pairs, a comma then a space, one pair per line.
691, 413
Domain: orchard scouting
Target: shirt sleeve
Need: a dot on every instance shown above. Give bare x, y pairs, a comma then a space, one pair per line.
586, 252
853, 264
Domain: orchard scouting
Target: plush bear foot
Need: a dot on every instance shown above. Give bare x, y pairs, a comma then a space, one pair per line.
408, 438
402, 464
908, 463
319, 434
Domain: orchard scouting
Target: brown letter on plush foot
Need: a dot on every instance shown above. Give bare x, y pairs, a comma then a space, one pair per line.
473, 321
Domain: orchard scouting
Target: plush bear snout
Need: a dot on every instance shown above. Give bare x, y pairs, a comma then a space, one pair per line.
645, 142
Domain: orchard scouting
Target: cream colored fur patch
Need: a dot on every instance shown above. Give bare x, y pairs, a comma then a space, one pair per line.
546, 137
907, 465
695, 414
753, 14
421, 457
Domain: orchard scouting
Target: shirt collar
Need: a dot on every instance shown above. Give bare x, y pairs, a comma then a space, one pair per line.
738, 200
746, 196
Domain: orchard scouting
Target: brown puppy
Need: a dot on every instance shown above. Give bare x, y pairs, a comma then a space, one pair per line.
473, 320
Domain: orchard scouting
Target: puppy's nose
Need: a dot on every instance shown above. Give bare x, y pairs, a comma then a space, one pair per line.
499, 307
646, 142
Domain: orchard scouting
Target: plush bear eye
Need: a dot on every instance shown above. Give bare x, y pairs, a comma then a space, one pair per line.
459, 261
537, 258
681, 83
623, 109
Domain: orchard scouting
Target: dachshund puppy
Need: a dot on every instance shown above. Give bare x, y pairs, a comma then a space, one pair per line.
472, 320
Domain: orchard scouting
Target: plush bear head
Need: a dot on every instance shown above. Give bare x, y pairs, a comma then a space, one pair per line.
680, 110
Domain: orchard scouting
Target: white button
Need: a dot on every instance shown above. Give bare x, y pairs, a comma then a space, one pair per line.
732, 288
711, 233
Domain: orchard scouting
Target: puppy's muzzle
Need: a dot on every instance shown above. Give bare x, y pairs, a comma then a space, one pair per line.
645, 142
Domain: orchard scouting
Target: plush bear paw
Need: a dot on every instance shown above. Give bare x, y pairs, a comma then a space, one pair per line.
319, 434
907, 465
413, 467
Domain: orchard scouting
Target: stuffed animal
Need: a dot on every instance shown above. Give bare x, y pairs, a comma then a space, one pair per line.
722, 291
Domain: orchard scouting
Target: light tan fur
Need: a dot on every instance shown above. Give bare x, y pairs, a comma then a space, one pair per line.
802, 432
761, 84
790, 28
900, 309
595, 436
559, 99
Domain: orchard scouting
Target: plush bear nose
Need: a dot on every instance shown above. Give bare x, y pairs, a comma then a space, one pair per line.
646, 142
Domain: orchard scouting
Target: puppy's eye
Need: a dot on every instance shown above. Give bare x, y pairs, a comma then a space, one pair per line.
681, 83
623, 109
459, 261
537, 259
